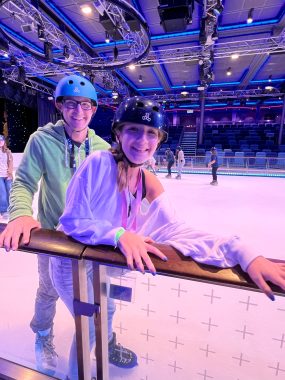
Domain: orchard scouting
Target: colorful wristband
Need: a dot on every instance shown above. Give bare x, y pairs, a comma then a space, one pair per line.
119, 233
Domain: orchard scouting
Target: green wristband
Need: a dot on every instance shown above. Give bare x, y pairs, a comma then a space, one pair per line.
119, 233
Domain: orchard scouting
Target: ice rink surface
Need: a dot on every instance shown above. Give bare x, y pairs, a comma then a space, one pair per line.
251, 207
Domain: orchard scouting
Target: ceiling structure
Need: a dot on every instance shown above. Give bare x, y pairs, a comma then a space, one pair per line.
177, 51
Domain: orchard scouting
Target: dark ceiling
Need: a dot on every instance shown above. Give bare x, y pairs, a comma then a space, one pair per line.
176, 46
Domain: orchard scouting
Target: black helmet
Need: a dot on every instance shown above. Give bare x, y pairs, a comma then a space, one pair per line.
141, 110
179, 147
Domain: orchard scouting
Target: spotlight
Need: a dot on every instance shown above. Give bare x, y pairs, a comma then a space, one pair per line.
21, 74
132, 67
229, 71
86, 9
13, 60
4, 46
41, 33
116, 53
184, 84
140, 79
66, 53
107, 38
270, 78
184, 93
48, 50
250, 16
235, 56
115, 94
92, 78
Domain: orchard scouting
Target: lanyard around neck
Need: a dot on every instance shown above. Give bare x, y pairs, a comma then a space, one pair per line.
130, 209
70, 143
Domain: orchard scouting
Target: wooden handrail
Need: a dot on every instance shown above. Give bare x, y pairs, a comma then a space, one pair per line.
56, 243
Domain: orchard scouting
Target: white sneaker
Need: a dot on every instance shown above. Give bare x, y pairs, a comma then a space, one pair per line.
46, 357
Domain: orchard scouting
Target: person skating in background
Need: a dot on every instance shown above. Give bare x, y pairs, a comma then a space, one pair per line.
6, 177
150, 165
52, 155
214, 164
170, 161
180, 162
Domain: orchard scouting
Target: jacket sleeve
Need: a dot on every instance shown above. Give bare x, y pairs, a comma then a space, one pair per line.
10, 164
162, 225
80, 219
26, 181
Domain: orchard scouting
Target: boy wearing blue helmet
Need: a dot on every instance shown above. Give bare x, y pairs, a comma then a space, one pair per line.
52, 155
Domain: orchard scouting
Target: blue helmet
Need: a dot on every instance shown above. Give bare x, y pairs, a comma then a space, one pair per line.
141, 110
75, 85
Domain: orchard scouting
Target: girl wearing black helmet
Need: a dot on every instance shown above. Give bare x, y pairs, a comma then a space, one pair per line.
112, 200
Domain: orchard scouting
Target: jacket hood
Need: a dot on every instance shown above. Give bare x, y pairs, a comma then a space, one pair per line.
57, 130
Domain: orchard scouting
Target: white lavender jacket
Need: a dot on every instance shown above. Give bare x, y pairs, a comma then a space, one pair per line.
93, 215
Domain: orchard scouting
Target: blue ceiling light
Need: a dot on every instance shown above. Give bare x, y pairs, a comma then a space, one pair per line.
183, 86
216, 104
266, 80
174, 35
152, 89
224, 84
273, 102
189, 106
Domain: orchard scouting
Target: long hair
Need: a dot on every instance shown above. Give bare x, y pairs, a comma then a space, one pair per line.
4, 147
122, 163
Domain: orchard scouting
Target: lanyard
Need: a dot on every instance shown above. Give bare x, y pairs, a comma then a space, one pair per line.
72, 161
130, 209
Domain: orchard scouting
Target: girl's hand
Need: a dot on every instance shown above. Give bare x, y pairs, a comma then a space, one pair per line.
261, 270
135, 248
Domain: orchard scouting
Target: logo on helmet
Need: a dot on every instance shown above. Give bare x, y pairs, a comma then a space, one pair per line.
76, 89
146, 117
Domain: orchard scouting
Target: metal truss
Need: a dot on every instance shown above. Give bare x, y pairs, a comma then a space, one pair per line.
222, 50
213, 95
138, 42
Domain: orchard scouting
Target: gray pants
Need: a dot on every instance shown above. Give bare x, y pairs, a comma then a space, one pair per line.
45, 303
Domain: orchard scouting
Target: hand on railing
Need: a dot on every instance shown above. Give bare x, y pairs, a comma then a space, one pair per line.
135, 248
261, 270
19, 229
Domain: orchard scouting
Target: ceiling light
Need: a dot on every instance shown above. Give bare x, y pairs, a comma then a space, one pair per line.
107, 38
184, 84
229, 71
250, 16
66, 52
132, 67
116, 52
115, 94
235, 56
184, 93
41, 33
140, 79
86, 9
21, 74
270, 78
48, 50
268, 88
13, 60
